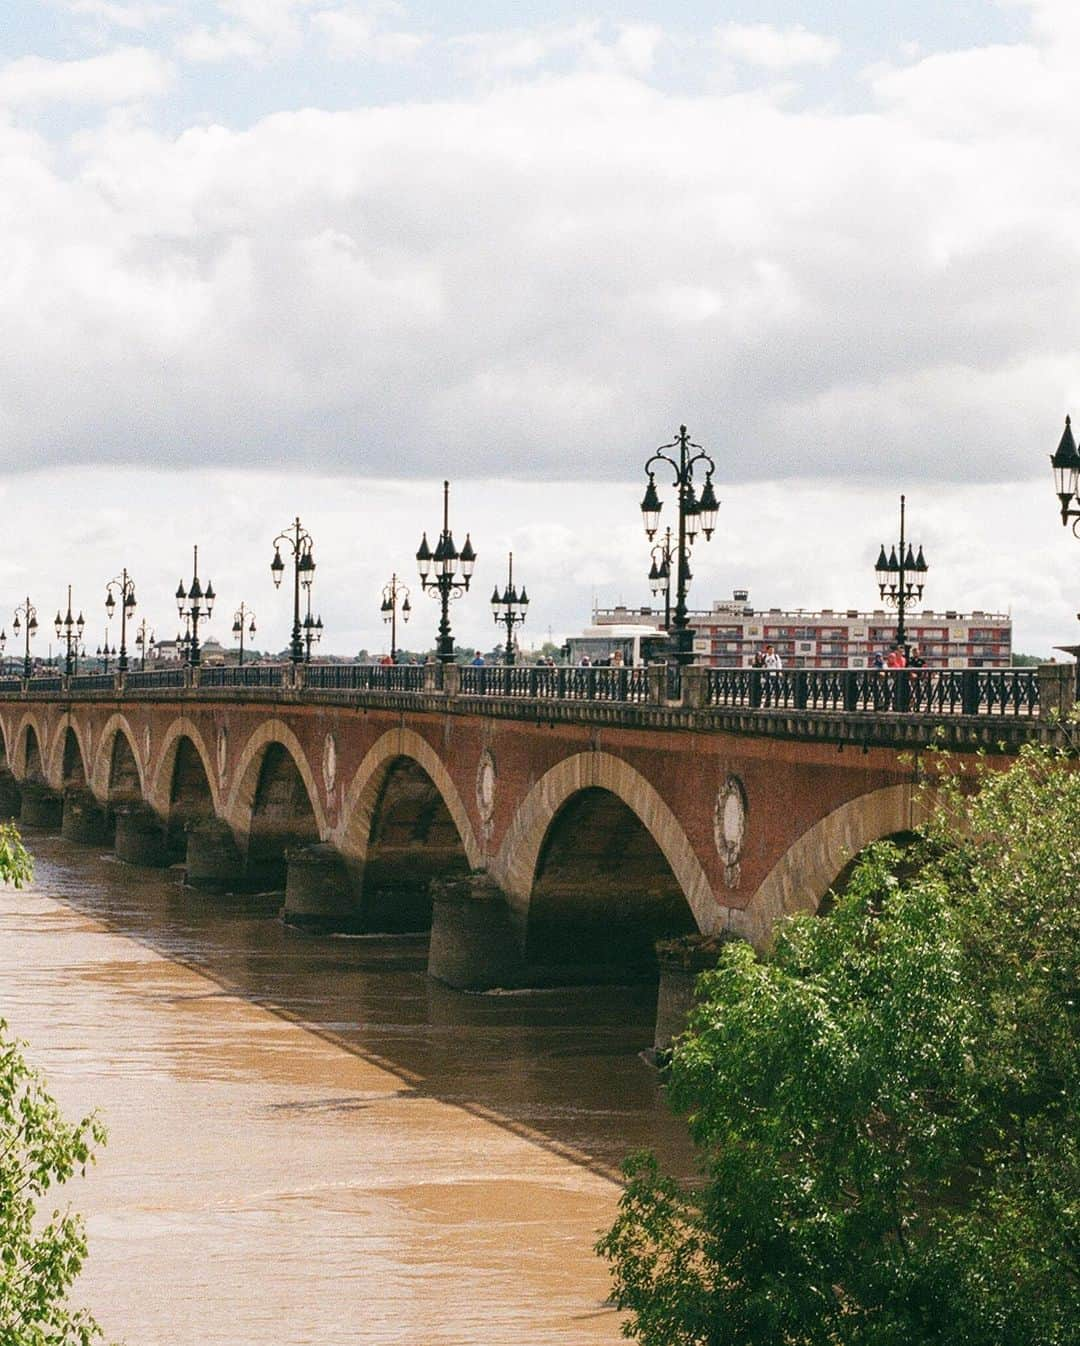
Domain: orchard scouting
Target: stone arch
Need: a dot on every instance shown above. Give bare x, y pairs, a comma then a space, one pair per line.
162, 782
68, 759
810, 866
241, 800
30, 743
362, 797
105, 759
274, 803
515, 866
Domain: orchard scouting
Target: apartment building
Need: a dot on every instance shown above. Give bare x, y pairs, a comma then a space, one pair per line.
730, 633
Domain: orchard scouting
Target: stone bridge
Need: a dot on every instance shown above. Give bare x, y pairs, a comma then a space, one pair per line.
564, 832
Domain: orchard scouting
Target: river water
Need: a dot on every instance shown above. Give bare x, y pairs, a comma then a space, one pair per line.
309, 1141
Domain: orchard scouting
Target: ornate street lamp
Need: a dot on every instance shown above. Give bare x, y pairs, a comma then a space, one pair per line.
144, 639
313, 629
694, 513
1066, 465
125, 587
660, 573
69, 629
104, 653
395, 596
193, 604
243, 620
901, 577
509, 608
444, 561
303, 574
30, 623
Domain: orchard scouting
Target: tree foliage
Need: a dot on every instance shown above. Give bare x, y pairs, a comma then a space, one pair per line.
40, 1256
887, 1108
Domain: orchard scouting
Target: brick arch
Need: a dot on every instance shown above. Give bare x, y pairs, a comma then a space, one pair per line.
55, 768
99, 780
158, 796
810, 866
28, 719
515, 865
245, 778
361, 798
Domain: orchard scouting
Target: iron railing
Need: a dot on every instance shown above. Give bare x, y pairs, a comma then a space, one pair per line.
627, 685
48, 683
250, 675
921, 691
365, 677
154, 677
88, 682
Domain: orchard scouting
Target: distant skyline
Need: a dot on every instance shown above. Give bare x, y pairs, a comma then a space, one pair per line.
289, 254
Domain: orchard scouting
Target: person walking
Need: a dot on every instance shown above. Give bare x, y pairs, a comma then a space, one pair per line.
773, 666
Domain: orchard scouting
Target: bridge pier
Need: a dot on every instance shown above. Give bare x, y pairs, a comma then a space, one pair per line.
10, 794
680, 963
214, 862
318, 890
140, 837
42, 806
474, 944
85, 819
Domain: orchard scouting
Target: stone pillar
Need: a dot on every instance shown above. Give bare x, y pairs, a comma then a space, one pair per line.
473, 942
1057, 690
41, 806
318, 890
10, 794
432, 678
657, 675
695, 686
85, 819
680, 961
140, 837
451, 679
214, 862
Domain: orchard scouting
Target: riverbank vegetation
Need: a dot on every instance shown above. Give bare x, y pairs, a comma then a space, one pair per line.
40, 1254
887, 1107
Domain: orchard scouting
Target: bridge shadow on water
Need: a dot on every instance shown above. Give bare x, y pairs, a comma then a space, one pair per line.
559, 1067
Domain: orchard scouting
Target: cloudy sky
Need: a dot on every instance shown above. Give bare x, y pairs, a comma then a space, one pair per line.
264, 257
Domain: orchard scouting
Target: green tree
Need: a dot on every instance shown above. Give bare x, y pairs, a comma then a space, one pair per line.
40, 1256
887, 1108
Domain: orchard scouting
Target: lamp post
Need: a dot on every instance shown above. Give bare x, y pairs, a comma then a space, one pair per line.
125, 586
240, 617
509, 608
30, 623
660, 573
313, 629
69, 629
104, 653
443, 585
901, 577
395, 595
144, 638
694, 513
303, 573
193, 604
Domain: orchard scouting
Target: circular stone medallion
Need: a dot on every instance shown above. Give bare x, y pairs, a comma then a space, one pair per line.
485, 785
729, 827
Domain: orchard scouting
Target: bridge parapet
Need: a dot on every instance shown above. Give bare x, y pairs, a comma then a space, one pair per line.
960, 708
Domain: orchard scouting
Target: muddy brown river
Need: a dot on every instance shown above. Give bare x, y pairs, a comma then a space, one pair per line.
309, 1141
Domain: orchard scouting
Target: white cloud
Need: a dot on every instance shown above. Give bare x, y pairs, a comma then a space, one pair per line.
125, 75
773, 48
586, 45
353, 32
252, 30
130, 14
